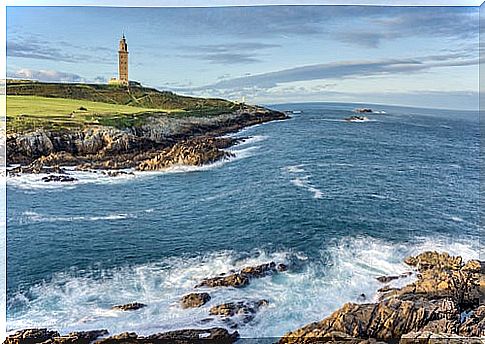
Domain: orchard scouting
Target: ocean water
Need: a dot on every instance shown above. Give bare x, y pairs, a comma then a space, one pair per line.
340, 202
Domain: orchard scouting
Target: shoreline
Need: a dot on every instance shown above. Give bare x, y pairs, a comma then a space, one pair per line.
157, 145
443, 302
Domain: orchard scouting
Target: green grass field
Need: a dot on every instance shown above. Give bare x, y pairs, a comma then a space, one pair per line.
31, 112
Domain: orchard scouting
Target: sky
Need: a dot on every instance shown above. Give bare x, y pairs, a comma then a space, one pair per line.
416, 56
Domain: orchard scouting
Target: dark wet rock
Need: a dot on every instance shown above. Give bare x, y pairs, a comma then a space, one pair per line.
212, 335
34, 335
242, 278
387, 279
125, 337
117, 173
58, 178
219, 335
246, 310
235, 314
194, 300
129, 306
363, 110
356, 119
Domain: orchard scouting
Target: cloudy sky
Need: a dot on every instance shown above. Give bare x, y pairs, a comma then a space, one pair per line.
394, 55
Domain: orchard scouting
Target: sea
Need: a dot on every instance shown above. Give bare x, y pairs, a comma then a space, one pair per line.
339, 202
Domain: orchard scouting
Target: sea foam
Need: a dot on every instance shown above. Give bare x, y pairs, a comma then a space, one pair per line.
313, 288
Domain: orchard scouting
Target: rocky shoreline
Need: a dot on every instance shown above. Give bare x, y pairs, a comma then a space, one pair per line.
443, 305
161, 142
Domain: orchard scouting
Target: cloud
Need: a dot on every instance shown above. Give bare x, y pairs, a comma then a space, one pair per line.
228, 53
345, 69
45, 75
34, 47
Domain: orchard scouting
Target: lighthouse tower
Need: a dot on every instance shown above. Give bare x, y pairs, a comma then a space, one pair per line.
122, 79
123, 62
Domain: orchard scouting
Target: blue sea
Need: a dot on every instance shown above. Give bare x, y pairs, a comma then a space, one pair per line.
340, 202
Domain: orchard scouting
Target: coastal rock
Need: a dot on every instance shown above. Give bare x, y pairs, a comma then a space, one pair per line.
129, 306
188, 336
44, 336
194, 152
216, 335
474, 325
427, 337
363, 110
34, 335
432, 259
445, 290
58, 178
386, 320
356, 119
244, 310
194, 300
242, 278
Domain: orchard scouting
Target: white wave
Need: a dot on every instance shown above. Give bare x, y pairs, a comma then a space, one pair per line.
303, 181
295, 168
31, 216
346, 271
252, 140
28, 181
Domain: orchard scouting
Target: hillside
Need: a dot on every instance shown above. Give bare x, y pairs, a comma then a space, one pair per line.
55, 106
134, 95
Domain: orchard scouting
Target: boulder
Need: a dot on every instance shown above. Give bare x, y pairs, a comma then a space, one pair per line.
58, 178
244, 310
194, 300
129, 306
242, 278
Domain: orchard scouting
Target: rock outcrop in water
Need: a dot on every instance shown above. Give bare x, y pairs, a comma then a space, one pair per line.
194, 300
43, 336
245, 311
444, 302
129, 306
242, 278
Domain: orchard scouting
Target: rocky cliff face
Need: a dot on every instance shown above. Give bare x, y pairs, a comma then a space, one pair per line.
442, 304
157, 144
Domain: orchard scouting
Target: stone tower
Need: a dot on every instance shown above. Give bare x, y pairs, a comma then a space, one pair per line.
123, 62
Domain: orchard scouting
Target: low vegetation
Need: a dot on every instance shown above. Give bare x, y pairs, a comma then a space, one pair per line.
56, 106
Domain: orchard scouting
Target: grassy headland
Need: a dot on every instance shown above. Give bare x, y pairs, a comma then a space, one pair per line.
56, 106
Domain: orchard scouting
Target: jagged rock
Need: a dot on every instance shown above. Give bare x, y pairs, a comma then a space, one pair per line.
217, 335
117, 173
245, 310
427, 337
242, 278
435, 303
125, 338
58, 178
34, 335
188, 336
195, 152
129, 306
387, 279
194, 300
432, 259
474, 325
